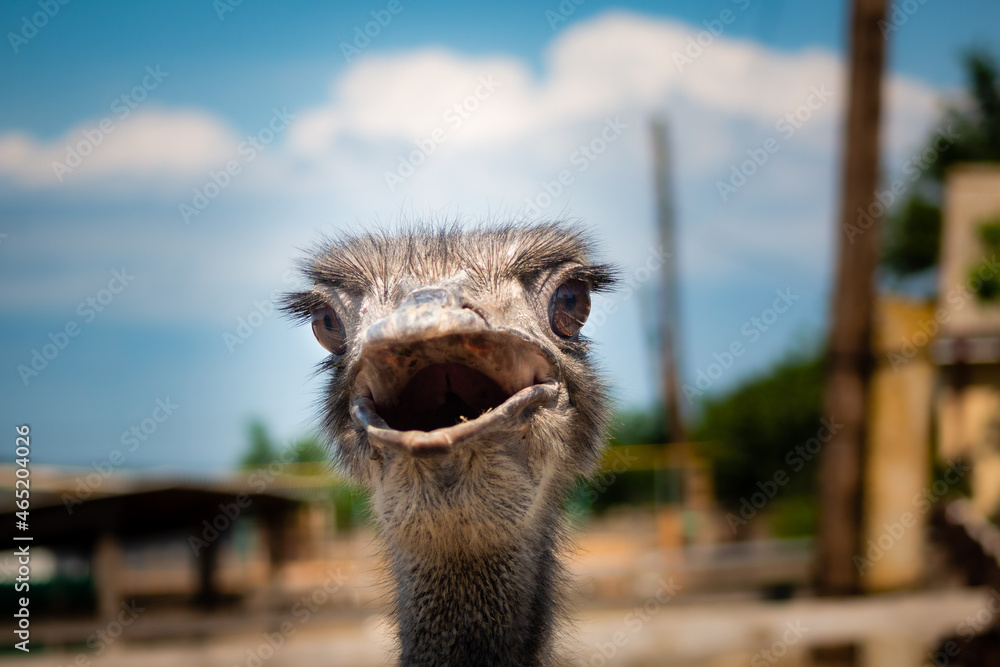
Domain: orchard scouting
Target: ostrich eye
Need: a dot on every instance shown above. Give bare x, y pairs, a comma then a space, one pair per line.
569, 308
329, 330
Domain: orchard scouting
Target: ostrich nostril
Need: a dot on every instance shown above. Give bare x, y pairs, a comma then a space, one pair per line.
431, 295
468, 306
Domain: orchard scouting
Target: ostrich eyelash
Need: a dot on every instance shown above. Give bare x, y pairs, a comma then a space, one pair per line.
602, 277
299, 305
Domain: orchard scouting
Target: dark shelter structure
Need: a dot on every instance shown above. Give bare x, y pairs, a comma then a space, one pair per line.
171, 518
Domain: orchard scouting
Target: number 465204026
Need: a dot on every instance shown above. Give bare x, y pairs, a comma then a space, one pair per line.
22, 450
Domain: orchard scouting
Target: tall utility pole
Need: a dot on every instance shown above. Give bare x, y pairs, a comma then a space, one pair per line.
850, 358
675, 456
669, 310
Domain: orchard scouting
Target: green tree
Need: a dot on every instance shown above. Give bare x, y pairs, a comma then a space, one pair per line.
261, 449
914, 236
309, 450
638, 427
989, 240
913, 230
748, 433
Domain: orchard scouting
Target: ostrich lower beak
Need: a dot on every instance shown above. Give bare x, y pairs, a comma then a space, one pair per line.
441, 440
432, 376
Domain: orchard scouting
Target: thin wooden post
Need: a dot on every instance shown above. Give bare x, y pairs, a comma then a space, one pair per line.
850, 359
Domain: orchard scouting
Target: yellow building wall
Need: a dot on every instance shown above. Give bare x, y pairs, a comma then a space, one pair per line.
898, 452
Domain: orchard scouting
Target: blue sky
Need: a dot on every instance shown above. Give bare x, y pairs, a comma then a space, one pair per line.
329, 130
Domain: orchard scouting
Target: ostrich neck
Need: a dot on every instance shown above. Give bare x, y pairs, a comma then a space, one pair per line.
464, 609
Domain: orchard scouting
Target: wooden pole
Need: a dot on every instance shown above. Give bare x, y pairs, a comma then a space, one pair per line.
849, 358
668, 324
675, 454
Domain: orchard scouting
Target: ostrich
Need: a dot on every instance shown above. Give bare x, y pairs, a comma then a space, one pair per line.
461, 396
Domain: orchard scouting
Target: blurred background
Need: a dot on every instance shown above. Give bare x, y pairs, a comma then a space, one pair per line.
805, 354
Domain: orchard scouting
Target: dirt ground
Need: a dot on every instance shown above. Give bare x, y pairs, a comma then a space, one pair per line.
891, 631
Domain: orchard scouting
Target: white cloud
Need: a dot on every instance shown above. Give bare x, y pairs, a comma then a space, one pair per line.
615, 64
328, 170
143, 148
330, 164
726, 101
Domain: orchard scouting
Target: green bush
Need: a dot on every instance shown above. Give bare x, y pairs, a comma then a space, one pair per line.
749, 433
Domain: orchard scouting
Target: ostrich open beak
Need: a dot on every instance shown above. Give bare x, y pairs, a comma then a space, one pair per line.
434, 373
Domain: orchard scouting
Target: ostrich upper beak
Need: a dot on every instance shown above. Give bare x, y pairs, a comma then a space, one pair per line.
435, 373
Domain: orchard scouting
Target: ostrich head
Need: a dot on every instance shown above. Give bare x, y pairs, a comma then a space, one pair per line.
461, 395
